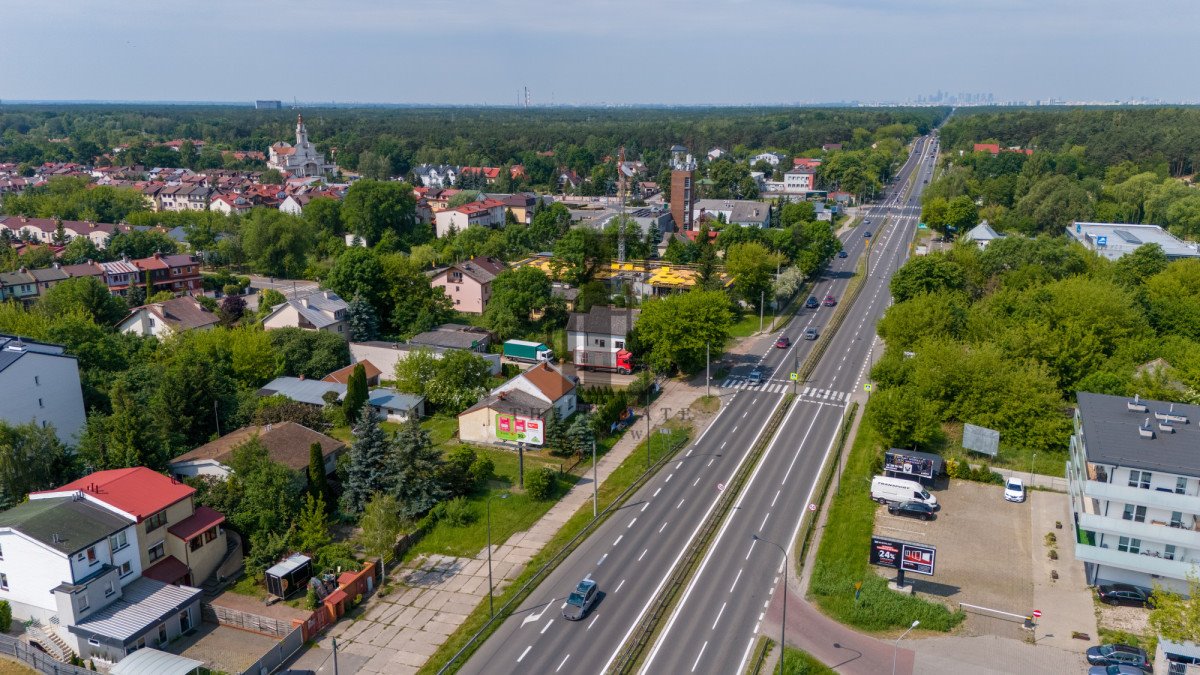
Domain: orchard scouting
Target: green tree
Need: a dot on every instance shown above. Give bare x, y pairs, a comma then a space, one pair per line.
276, 243
753, 268
373, 207
80, 250
677, 329
373, 166
356, 394
318, 482
371, 468
134, 244
591, 294
1173, 299
312, 525
1134, 268
266, 492
1175, 617
313, 354
417, 465
927, 274
278, 409
961, 213
380, 527
461, 379
268, 299
516, 294
87, 294
362, 320
411, 304
31, 458
324, 216
271, 177
463, 197
540, 484
357, 272
415, 371
581, 253
903, 419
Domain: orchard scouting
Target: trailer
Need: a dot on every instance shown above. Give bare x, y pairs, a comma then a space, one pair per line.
529, 352
620, 361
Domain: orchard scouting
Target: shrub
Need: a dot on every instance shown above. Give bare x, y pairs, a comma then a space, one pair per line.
310, 598
5, 616
456, 512
334, 556
540, 484
482, 470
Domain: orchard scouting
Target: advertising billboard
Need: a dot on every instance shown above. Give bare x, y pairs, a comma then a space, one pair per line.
981, 439
528, 430
898, 462
903, 555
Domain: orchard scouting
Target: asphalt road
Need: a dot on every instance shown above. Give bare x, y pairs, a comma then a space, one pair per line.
633, 553
714, 625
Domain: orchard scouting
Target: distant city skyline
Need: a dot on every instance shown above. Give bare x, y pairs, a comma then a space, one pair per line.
589, 52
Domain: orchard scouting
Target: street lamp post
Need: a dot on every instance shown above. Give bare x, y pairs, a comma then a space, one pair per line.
595, 486
503, 495
783, 625
896, 647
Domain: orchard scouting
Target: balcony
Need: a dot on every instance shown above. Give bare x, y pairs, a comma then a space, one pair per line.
1168, 501
1162, 534
1147, 564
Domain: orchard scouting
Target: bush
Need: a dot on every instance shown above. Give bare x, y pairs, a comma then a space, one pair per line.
5, 616
540, 484
482, 470
310, 598
456, 512
334, 556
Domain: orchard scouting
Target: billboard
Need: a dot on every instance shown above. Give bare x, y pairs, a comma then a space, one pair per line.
528, 430
981, 439
898, 462
903, 555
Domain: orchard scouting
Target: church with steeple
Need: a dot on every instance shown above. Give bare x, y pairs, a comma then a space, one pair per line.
301, 159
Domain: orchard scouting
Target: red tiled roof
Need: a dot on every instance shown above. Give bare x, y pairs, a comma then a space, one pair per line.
139, 491
194, 525
169, 570
993, 148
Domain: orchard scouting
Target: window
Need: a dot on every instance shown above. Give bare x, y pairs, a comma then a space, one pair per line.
1169, 552
118, 541
1139, 479
619, 344
36, 380
195, 544
1176, 519
126, 569
41, 403
1129, 545
91, 556
210, 534
156, 521
1135, 513
599, 343
1, 553
162, 634
152, 323
3, 582
1180, 485
84, 602
157, 551
109, 588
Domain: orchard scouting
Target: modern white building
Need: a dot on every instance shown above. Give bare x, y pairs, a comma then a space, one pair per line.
1113, 240
1134, 483
39, 383
800, 180
485, 213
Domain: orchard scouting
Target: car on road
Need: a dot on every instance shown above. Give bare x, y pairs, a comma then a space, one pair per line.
1014, 490
830, 301
912, 510
867, 234
757, 375
842, 253
581, 600
1117, 655
810, 333
1119, 669
783, 342
1124, 594
812, 302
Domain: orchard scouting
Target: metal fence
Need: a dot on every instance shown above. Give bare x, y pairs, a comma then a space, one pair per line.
278, 654
38, 660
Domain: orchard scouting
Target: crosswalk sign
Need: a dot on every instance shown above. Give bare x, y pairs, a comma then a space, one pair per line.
794, 376
867, 387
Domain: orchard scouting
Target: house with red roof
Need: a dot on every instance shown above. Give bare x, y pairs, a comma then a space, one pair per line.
174, 273
486, 213
179, 542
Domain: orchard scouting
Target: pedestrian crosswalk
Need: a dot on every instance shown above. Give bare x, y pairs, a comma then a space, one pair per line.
783, 386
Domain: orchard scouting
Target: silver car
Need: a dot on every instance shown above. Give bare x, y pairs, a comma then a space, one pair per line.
581, 600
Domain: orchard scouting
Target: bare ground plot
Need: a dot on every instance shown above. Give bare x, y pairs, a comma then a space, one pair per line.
223, 648
983, 555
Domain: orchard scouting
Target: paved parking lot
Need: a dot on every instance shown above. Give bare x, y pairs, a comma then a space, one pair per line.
222, 648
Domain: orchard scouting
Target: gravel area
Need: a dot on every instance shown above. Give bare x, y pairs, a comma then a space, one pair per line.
1134, 620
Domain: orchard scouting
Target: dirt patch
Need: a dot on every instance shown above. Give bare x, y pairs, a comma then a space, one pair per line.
706, 405
1134, 620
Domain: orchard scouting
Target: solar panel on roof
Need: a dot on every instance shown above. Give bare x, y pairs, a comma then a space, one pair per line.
1128, 237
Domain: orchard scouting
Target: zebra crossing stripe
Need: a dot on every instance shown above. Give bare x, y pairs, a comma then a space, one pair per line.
726, 384
825, 394
807, 390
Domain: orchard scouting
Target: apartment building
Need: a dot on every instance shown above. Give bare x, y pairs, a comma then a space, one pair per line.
1134, 483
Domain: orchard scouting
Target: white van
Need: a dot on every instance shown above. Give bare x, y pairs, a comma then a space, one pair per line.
885, 489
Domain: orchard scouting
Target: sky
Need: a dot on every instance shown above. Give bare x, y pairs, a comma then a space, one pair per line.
582, 52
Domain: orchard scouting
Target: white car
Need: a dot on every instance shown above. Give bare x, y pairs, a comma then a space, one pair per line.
1014, 490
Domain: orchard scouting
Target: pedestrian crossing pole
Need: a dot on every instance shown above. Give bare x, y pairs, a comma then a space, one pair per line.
707, 371
796, 370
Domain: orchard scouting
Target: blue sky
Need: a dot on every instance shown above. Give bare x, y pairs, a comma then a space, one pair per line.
598, 51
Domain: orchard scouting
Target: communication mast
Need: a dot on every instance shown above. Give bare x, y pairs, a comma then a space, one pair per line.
622, 178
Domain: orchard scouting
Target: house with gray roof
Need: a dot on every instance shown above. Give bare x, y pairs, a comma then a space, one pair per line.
982, 235
320, 311
39, 383
1114, 240
454, 336
603, 329
1133, 476
744, 212
303, 390
395, 406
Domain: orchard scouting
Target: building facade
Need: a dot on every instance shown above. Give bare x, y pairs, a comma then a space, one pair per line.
39, 383
301, 159
468, 284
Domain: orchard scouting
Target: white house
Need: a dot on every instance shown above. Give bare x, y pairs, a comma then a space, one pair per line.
982, 234
486, 213
322, 311
164, 319
395, 406
547, 384
772, 158
799, 180
716, 153
603, 328
385, 355
40, 383
1133, 478
1114, 240
744, 212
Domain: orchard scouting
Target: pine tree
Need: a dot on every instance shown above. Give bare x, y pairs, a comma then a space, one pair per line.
312, 527
318, 482
371, 464
418, 464
356, 394
363, 321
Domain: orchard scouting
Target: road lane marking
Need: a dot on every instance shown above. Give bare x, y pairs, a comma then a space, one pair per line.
536, 617
643, 555
592, 622
734, 429
764, 522
719, 613
690, 451
657, 491
751, 549
662, 528
735, 580
697, 481
619, 585
547, 627
668, 480
746, 656
677, 466
599, 563
618, 540
699, 655
645, 506
524, 653
681, 501
776, 497
631, 523
711, 461
564, 662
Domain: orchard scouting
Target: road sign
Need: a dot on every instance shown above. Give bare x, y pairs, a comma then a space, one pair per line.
1037, 613
812, 507
867, 387
793, 376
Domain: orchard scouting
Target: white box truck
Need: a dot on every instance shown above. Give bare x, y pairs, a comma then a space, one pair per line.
885, 489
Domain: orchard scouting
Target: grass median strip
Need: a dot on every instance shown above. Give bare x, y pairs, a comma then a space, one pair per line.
823, 480
618, 487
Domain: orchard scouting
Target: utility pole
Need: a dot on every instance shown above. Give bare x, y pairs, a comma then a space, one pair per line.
595, 484
649, 390
762, 299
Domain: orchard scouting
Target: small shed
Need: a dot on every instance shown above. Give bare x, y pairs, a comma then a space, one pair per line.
289, 576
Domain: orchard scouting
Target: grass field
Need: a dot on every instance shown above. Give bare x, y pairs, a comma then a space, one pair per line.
798, 662
842, 559
749, 324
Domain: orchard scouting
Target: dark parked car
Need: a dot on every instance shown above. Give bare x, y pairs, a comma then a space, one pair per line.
1118, 654
581, 600
1123, 594
1115, 670
911, 509
842, 254
783, 342
812, 302
830, 301
867, 234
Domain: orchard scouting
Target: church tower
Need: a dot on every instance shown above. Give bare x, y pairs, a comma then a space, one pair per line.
301, 132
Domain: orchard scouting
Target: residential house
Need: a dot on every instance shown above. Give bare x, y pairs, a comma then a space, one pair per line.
454, 336
303, 390
716, 153
602, 329
119, 276
486, 213
174, 273
39, 383
287, 443
525, 400
831, 147
177, 541
982, 235
772, 158
71, 566
342, 375
387, 354
806, 162
800, 180
321, 311
19, 286
48, 277
468, 284
747, 213
164, 319
436, 175
1133, 477
521, 205
46, 230
394, 406
1114, 240
184, 197
230, 204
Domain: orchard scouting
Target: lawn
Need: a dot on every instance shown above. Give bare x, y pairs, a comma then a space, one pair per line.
799, 662
842, 559
1017, 459
749, 324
